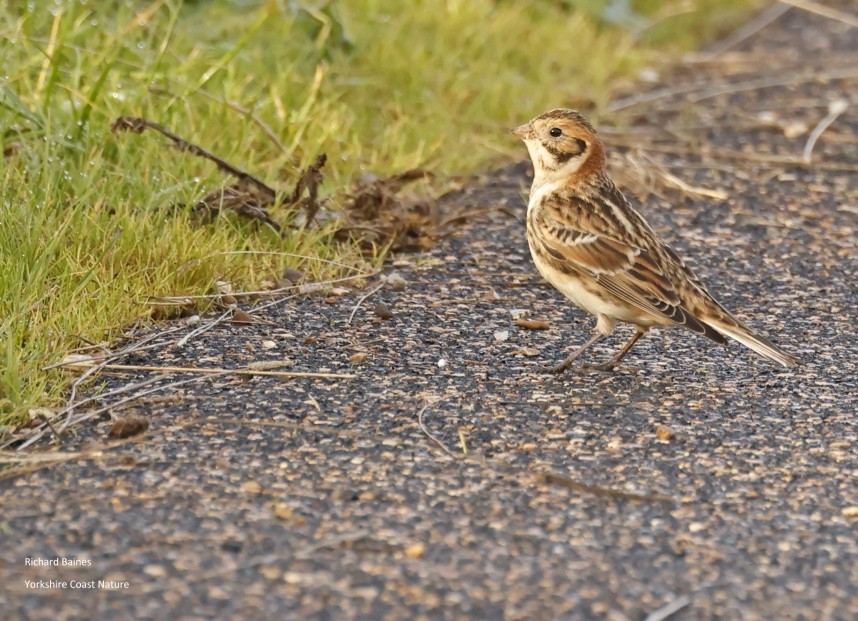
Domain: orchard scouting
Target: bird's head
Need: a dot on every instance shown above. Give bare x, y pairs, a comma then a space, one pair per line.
562, 144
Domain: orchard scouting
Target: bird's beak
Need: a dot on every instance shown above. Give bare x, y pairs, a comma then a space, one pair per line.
523, 131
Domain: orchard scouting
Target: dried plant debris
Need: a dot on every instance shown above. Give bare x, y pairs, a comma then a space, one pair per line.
532, 324
244, 199
381, 311
385, 212
310, 180
249, 197
376, 213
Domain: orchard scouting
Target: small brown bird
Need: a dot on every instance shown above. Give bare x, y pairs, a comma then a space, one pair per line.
593, 247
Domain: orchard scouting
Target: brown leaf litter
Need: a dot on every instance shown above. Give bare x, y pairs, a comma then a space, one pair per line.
377, 213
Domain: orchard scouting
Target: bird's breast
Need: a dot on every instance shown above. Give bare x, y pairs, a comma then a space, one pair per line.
583, 291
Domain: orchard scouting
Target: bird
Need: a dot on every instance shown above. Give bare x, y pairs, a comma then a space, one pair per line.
591, 245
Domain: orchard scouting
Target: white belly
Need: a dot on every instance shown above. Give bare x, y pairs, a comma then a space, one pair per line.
607, 312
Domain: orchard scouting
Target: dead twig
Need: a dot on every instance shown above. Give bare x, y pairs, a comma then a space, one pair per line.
138, 125
550, 478
273, 253
310, 180
70, 403
312, 287
745, 32
208, 371
597, 490
429, 435
824, 11
363, 299
37, 435
204, 328
243, 199
669, 609
249, 196
788, 78
50, 425
653, 170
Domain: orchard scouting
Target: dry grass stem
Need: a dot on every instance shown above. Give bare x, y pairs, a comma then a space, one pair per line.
835, 109
207, 371
669, 609
825, 11
363, 299
138, 125
204, 328
312, 287
597, 490
423, 428
745, 32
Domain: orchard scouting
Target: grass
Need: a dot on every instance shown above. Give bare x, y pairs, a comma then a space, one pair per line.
86, 235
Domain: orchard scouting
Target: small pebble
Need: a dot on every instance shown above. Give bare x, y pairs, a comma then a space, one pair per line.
415, 550
382, 311
850, 512
502, 336
127, 427
532, 324
665, 434
396, 282
240, 316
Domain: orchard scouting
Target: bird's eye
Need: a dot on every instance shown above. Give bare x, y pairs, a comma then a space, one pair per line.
555, 132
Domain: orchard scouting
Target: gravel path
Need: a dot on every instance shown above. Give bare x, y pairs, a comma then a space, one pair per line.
450, 479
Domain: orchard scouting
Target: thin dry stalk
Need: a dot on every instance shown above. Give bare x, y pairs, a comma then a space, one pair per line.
835, 109
209, 371
138, 125
429, 434
597, 490
825, 11
204, 328
363, 299
301, 289
648, 171
788, 77
669, 609
745, 32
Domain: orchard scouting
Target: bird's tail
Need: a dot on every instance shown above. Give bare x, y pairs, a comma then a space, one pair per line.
734, 329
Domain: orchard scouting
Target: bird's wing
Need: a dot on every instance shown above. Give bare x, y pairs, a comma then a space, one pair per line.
627, 271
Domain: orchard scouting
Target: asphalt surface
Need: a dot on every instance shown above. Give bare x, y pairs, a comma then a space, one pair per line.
693, 478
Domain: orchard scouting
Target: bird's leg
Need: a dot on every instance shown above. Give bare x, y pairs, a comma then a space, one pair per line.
608, 366
574, 356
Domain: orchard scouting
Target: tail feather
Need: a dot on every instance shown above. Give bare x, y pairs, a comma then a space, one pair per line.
759, 344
